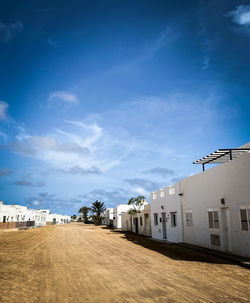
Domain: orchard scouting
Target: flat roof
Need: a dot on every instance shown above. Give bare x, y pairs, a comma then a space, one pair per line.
222, 155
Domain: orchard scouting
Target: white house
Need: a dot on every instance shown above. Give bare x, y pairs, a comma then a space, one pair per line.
117, 212
139, 223
209, 209
57, 219
216, 203
166, 215
17, 216
108, 217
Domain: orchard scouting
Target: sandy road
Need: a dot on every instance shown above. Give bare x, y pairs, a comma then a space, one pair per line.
83, 263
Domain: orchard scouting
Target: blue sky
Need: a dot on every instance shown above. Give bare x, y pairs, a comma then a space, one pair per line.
111, 99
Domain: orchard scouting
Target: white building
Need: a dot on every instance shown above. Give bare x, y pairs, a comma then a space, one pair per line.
166, 216
57, 219
17, 216
209, 209
139, 223
108, 217
117, 212
216, 203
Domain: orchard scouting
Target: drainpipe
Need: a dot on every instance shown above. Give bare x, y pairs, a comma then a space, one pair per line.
182, 215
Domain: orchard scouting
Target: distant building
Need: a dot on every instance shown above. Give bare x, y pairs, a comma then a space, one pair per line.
16, 216
117, 212
139, 223
108, 217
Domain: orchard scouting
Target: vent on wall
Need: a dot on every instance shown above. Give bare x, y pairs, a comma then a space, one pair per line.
215, 240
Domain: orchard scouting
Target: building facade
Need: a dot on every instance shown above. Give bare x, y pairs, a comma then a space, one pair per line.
117, 212
166, 215
139, 223
216, 207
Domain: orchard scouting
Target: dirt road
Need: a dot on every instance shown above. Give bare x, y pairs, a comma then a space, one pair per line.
84, 263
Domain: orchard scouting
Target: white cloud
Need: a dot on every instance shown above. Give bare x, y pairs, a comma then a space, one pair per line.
140, 191
85, 148
36, 203
3, 110
8, 31
241, 16
63, 96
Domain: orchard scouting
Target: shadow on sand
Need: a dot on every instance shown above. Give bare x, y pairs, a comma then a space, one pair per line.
171, 250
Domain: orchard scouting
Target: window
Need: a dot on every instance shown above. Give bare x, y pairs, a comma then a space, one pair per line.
172, 190
189, 218
154, 196
162, 194
245, 218
155, 219
213, 219
215, 240
140, 220
173, 219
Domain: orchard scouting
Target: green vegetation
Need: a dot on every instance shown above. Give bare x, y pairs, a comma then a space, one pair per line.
97, 210
137, 204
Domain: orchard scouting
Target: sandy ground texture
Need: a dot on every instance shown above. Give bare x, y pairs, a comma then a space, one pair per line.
84, 263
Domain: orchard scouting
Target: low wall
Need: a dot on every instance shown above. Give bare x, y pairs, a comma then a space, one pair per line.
7, 225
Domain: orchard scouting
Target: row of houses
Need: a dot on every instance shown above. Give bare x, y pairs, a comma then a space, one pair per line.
16, 216
209, 209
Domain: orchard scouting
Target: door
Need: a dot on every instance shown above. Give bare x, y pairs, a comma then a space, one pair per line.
146, 225
225, 228
164, 226
136, 225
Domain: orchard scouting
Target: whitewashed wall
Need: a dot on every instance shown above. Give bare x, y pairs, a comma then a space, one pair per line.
166, 201
117, 211
204, 191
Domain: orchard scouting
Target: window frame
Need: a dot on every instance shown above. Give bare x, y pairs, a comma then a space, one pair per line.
173, 221
215, 221
247, 209
156, 222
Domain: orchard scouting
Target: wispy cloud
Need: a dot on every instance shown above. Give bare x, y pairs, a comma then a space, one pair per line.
241, 16
63, 96
52, 42
29, 183
8, 31
146, 185
39, 146
5, 172
160, 171
205, 64
3, 110
78, 170
85, 148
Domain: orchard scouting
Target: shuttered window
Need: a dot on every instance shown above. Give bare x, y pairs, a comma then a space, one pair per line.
245, 218
213, 219
155, 219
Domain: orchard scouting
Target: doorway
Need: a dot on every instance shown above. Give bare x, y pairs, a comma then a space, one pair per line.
225, 228
164, 226
136, 225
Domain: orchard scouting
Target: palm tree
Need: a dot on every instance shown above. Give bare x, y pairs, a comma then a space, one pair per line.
84, 210
137, 204
97, 209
